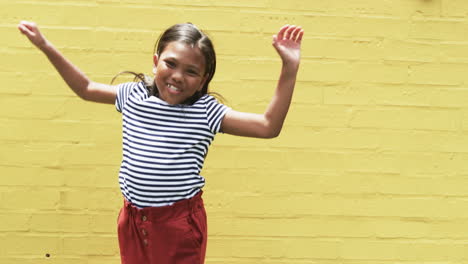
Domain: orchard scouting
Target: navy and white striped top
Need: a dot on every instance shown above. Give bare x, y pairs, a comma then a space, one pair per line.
164, 145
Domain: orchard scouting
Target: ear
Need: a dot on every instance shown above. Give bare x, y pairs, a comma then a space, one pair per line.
155, 62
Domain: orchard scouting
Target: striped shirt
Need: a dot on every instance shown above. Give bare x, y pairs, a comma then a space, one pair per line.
164, 145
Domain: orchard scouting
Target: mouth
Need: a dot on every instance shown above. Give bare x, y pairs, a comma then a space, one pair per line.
173, 88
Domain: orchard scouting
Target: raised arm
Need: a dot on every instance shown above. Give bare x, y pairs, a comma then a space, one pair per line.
75, 79
269, 124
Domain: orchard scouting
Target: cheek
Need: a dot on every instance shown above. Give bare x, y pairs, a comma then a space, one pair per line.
158, 81
161, 74
197, 84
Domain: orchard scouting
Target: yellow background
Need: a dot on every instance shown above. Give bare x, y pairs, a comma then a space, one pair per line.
371, 166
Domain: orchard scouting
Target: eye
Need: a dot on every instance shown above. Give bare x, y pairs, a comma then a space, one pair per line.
192, 72
170, 64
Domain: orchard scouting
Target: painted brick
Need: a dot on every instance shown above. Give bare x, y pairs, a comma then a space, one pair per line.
455, 8
16, 222
399, 8
401, 118
30, 198
104, 223
386, 73
429, 74
85, 245
22, 244
436, 29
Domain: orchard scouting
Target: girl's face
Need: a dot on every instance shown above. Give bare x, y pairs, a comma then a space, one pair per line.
179, 72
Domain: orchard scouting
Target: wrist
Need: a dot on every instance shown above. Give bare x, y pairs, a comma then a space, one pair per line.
290, 67
45, 46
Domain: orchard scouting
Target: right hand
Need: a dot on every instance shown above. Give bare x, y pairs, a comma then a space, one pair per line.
31, 31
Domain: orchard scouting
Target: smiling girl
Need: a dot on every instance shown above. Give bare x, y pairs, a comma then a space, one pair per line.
168, 125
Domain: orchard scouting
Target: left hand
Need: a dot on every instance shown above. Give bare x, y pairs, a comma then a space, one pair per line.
288, 44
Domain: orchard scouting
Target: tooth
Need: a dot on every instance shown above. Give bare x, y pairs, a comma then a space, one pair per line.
172, 87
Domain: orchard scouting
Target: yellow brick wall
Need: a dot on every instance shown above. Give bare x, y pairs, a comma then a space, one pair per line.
371, 167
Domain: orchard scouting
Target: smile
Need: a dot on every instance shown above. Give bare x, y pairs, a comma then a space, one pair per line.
173, 88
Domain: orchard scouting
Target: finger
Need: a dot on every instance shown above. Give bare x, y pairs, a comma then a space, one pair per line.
299, 37
289, 31
29, 25
24, 22
295, 33
282, 31
25, 30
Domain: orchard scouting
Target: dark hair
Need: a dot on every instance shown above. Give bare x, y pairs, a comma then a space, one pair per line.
189, 34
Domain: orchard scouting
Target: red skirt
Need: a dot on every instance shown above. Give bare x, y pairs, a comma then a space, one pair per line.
174, 234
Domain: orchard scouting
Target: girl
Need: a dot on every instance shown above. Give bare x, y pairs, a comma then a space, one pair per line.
168, 125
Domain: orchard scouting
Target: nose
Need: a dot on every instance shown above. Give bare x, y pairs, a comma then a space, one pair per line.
177, 76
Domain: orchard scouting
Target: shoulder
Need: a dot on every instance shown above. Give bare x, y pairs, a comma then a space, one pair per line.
212, 105
133, 89
130, 91
214, 110
130, 86
207, 100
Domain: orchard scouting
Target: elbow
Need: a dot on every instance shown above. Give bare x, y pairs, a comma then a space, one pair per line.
84, 93
83, 96
271, 130
272, 126
273, 133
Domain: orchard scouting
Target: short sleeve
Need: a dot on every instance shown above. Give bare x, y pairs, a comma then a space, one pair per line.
123, 92
215, 114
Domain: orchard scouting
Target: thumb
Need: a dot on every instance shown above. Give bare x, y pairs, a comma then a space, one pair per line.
275, 39
275, 43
